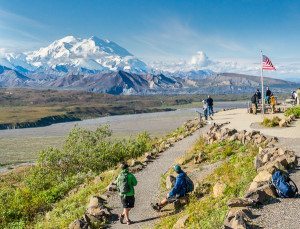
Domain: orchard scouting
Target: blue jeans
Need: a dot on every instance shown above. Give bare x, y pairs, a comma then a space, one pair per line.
210, 110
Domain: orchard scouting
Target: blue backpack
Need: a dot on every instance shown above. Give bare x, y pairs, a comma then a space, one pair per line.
285, 187
189, 185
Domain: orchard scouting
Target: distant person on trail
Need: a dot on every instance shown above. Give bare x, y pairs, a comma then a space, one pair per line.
205, 108
125, 184
294, 97
298, 96
268, 94
210, 103
272, 102
258, 93
183, 185
254, 101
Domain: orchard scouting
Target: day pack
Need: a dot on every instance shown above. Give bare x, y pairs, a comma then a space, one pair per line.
122, 183
284, 186
189, 185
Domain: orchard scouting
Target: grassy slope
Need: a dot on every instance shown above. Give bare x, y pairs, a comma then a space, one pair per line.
237, 172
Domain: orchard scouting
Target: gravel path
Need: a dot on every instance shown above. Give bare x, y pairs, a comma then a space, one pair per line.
148, 188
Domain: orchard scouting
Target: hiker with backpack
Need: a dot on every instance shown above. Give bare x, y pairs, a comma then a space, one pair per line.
125, 184
254, 101
183, 185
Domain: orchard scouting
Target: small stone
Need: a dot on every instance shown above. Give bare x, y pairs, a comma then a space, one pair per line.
78, 224
239, 202
180, 224
219, 189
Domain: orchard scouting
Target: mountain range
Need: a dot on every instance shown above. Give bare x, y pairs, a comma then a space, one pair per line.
98, 65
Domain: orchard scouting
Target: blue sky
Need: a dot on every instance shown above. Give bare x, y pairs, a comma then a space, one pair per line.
160, 30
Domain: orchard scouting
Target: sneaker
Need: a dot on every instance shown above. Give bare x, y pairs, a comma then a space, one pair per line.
121, 218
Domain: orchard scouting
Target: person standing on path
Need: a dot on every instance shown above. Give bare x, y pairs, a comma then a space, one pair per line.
272, 102
179, 189
254, 101
298, 96
268, 95
210, 103
125, 184
204, 108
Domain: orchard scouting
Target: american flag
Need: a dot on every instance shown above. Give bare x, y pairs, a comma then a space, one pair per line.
267, 64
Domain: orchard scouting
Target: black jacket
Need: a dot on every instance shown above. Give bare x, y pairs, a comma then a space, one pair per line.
210, 102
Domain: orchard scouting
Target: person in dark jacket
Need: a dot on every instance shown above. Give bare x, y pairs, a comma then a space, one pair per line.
268, 95
258, 93
254, 101
210, 103
179, 189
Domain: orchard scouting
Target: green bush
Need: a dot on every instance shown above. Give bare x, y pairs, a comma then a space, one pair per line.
293, 111
85, 154
271, 122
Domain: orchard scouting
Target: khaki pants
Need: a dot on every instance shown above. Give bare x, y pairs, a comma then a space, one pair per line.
254, 108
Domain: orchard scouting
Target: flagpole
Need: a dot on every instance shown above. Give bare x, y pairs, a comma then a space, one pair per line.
262, 86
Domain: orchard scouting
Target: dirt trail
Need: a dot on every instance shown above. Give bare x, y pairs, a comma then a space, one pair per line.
148, 188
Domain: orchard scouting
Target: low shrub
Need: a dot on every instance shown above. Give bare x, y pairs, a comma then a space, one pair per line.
85, 154
293, 111
271, 122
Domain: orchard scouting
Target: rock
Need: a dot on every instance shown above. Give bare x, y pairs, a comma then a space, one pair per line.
96, 202
239, 202
201, 189
218, 189
239, 222
262, 195
199, 158
243, 212
78, 224
135, 162
112, 187
263, 176
257, 162
170, 181
180, 224
136, 168
283, 123
98, 179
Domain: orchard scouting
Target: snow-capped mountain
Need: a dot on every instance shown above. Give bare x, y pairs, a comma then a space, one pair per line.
70, 54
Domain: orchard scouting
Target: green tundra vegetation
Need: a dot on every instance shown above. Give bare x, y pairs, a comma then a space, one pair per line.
293, 111
85, 154
236, 171
271, 122
29, 105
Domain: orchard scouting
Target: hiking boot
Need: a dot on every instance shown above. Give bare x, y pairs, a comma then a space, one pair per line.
156, 207
121, 218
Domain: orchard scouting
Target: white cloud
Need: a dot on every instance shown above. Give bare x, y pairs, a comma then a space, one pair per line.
200, 61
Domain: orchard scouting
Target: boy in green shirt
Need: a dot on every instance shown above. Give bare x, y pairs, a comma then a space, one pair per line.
125, 184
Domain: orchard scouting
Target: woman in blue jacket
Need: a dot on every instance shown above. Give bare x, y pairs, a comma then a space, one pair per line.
179, 189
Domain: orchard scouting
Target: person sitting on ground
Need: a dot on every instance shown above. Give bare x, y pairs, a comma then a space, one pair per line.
272, 102
125, 184
179, 189
210, 103
254, 101
268, 94
204, 109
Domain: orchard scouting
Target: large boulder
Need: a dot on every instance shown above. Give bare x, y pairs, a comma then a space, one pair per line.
263, 176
